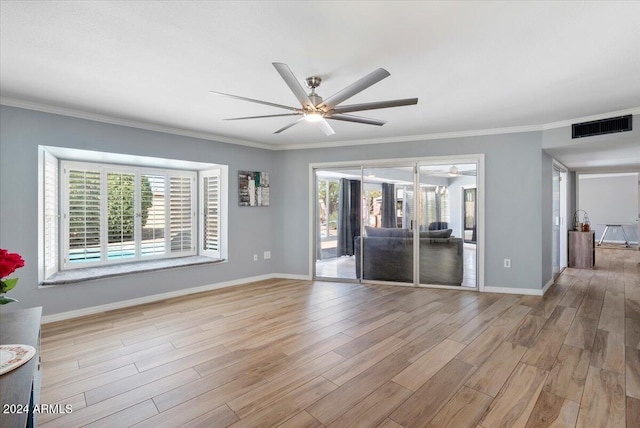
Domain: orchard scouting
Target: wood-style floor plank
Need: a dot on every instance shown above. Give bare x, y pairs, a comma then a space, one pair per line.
309, 354
464, 410
374, 408
414, 376
515, 402
568, 375
603, 401
553, 411
419, 409
633, 412
582, 332
491, 376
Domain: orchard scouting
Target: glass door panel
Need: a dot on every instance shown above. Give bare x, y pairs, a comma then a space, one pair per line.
388, 207
337, 222
447, 250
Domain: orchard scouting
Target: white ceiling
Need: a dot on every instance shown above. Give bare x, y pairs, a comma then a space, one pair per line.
473, 65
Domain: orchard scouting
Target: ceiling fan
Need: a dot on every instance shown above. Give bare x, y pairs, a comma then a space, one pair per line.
315, 109
452, 171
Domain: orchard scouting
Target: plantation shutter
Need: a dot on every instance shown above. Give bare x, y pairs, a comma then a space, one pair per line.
51, 218
83, 215
153, 215
181, 213
121, 215
431, 210
210, 206
444, 205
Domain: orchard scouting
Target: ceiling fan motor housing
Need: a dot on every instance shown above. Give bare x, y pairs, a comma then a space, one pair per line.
313, 82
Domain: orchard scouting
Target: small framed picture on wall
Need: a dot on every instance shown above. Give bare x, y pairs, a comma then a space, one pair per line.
253, 189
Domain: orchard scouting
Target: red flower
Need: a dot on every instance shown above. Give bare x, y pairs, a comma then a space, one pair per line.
9, 262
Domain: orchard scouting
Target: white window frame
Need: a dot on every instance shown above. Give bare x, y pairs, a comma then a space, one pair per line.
216, 172
48, 215
104, 169
53, 157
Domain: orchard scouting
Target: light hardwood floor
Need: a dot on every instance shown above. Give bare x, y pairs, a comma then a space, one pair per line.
302, 354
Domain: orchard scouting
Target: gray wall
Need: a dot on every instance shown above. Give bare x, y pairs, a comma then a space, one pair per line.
512, 200
251, 230
610, 199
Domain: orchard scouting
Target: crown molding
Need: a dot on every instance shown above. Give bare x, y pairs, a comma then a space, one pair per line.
12, 102
462, 134
45, 108
411, 138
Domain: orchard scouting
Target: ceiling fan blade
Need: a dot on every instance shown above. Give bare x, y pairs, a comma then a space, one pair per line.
260, 117
376, 105
293, 84
284, 128
254, 101
325, 127
357, 119
354, 88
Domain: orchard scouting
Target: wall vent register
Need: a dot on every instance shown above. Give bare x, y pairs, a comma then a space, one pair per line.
601, 127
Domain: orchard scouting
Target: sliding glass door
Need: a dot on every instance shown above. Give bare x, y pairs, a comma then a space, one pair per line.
448, 228
388, 225
414, 223
337, 222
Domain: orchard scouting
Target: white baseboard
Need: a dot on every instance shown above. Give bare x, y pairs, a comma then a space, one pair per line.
614, 241
155, 297
292, 276
509, 290
547, 285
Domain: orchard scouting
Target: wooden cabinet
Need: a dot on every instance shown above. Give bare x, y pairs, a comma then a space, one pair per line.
20, 387
582, 249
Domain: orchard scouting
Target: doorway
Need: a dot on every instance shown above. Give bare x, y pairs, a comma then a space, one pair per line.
559, 228
405, 222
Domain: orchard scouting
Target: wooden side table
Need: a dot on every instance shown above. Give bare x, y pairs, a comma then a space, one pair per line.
582, 249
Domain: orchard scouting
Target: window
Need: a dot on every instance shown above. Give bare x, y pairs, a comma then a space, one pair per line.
436, 204
97, 214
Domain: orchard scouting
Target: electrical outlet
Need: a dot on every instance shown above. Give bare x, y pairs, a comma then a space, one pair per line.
255, 257
267, 255
507, 263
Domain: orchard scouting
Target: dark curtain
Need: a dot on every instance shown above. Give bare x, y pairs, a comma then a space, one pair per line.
388, 205
348, 216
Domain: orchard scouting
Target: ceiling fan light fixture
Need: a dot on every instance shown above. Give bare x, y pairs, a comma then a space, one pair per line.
453, 171
313, 116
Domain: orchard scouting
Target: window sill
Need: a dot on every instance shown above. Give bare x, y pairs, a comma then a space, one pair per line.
100, 272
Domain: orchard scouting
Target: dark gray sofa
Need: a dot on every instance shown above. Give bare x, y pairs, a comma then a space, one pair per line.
390, 258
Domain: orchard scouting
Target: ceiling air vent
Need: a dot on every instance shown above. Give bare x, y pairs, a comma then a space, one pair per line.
603, 126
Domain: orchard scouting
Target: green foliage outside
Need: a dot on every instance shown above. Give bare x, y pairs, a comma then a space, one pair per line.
333, 200
120, 205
